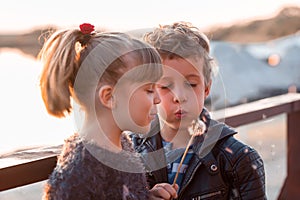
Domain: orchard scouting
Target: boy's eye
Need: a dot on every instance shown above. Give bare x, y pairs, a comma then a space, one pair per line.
165, 86
191, 84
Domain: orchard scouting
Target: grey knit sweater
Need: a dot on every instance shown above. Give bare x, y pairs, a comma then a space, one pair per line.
80, 175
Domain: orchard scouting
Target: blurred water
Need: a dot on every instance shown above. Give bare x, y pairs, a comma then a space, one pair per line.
23, 117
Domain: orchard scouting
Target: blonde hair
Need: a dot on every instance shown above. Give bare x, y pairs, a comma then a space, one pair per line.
182, 39
75, 64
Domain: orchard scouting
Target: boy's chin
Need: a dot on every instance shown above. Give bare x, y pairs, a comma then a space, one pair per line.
184, 124
141, 129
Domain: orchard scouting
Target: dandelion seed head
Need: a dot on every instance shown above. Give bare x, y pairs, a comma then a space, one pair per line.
229, 150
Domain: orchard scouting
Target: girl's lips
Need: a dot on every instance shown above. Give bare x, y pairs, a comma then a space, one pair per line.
152, 115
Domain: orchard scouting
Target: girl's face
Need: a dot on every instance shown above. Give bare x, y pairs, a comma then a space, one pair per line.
182, 92
136, 106
142, 104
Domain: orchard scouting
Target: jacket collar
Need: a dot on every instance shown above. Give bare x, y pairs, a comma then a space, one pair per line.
215, 132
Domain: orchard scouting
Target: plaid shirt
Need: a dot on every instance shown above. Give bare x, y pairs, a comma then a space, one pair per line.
173, 157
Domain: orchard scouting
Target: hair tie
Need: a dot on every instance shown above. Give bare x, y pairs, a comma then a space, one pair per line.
86, 29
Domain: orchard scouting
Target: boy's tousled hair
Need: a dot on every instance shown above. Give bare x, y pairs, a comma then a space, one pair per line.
183, 40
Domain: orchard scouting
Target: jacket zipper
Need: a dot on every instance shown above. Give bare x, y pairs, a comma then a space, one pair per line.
150, 145
152, 149
194, 171
207, 195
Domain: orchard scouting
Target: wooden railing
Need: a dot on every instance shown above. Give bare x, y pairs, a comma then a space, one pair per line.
37, 168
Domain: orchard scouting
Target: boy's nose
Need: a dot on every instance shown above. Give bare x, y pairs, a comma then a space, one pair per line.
156, 99
179, 98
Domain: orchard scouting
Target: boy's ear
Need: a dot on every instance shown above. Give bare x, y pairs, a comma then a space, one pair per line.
207, 89
105, 95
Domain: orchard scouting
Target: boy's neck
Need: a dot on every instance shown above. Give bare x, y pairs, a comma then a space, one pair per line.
178, 138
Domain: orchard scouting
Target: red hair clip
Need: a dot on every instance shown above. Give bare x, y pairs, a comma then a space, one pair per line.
86, 28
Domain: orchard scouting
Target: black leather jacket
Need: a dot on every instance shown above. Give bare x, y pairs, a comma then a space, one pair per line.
221, 168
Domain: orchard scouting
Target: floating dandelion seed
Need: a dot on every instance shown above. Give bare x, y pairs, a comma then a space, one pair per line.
273, 60
273, 153
235, 192
228, 150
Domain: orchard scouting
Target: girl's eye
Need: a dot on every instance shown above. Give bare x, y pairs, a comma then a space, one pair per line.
150, 91
150, 88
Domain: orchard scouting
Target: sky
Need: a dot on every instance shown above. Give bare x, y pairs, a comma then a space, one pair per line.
20, 16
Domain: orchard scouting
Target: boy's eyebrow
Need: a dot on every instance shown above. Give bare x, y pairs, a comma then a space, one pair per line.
169, 78
193, 75
166, 78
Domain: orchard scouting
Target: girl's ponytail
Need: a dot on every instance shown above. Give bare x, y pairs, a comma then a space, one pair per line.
60, 65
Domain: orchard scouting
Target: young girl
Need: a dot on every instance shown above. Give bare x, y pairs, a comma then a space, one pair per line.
106, 74
217, 166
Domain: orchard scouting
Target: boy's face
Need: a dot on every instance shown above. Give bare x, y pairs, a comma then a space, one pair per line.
182, 92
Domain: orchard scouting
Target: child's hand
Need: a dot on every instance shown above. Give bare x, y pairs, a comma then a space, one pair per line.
163, 191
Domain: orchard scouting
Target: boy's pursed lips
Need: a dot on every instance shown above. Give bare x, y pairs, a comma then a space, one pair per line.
180, 113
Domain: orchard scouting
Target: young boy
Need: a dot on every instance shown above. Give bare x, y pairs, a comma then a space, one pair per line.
217, 165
